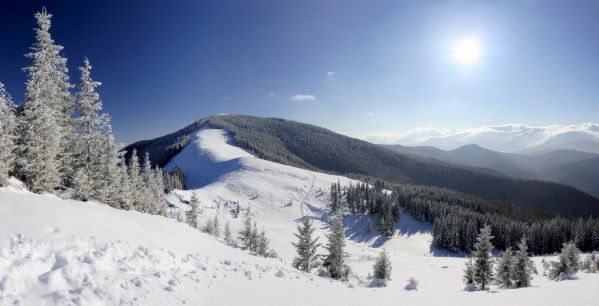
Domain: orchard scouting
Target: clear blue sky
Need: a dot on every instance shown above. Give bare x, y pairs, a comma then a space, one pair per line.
164, 64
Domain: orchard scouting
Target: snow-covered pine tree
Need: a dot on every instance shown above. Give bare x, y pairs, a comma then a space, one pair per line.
503, 272
191, 216
568, 261
8, 130
246, 235
254, 236
109, 189
40, 125
334, 198
483, 265
381, 270
306, 246
147, 174
262, 244
469, 272
228, 237
521, 270
89, 151
216, 226
209, 227
136, 183
125, 193
335, 259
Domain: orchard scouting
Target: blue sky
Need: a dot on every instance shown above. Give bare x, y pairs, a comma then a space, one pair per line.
370, 66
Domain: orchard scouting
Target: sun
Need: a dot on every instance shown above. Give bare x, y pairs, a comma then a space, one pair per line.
467, 51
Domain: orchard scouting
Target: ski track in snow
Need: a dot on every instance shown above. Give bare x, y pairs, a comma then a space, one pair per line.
65, 252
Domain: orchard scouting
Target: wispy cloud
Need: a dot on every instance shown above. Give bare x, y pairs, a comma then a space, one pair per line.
302, 98
227, 98
271, 95
331, 74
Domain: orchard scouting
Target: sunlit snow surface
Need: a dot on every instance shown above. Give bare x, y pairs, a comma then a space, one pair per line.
65, 252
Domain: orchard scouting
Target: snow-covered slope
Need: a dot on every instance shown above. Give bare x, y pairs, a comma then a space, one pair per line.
65, 252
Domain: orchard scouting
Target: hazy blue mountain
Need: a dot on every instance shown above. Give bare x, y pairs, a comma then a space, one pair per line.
547, 166
312, 147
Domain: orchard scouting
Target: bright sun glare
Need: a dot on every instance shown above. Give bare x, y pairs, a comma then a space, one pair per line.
467, 51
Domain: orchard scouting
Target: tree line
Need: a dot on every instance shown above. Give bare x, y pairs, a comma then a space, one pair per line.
60, 138
457, 217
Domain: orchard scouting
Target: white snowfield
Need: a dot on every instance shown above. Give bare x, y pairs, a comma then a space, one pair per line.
65, 252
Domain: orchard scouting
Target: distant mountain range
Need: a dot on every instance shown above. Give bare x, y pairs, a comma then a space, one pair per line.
315, 148
575, 168
512, 138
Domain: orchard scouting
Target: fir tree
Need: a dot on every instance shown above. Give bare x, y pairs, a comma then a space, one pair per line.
504, 269
382, 267
191, 215
41, 127
216, 226
228, 237
306, 246
334, 198
483, 265
8, 135
90, 125
469, 272
567, 263
522, 271
136, 183
335, 259
247, 235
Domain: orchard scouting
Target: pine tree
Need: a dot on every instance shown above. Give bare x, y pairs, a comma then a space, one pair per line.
209, 227
262, 244
191, 216
522, 271
335, 259
216, 226
306, 246
246, 235
334, 198
568, 261
504, 269
136, 183
8, 135
228, 237
469, 272
124, 190
382, 267
42, 122
483, 265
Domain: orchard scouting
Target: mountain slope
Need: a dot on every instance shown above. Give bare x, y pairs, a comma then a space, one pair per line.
584, 175
311, 147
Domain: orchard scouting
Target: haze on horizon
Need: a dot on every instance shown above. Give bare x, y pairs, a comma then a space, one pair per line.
355, 67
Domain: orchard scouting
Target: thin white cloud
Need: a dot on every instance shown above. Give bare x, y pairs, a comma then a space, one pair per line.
302, 98
370, 114
271, 95
331, 74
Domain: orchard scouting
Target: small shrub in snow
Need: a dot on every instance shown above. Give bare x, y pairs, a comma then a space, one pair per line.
412, 284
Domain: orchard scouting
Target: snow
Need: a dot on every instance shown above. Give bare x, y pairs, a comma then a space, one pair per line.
64, 252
